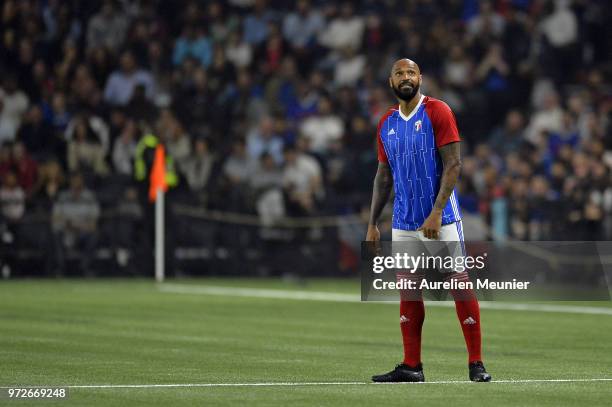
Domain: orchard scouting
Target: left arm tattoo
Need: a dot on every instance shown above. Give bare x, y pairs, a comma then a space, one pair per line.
451, 159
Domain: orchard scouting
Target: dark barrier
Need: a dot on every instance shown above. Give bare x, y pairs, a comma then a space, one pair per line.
198, 243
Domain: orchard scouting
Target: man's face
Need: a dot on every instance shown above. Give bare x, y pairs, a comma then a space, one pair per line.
127, 62
405, 79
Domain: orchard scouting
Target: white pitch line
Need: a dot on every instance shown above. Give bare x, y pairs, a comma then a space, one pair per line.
341, 297
284, 384
259, 293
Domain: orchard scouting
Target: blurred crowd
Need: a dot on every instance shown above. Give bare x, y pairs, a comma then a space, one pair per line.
270, 108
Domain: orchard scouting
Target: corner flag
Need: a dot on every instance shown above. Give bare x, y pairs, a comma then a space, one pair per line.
158, 173
156, 194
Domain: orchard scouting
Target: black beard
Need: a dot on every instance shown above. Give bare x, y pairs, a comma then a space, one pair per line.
406, 96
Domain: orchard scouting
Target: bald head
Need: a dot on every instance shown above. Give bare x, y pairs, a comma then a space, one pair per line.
405, 63
405, 79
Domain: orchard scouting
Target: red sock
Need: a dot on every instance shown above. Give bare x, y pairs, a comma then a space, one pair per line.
412, 315
468, 312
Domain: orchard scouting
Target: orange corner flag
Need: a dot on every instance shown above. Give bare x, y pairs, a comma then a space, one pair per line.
158, 173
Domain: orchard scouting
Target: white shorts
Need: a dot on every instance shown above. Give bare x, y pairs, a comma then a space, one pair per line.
452, 232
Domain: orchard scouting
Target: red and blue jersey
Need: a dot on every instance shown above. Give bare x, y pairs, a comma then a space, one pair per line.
409, 144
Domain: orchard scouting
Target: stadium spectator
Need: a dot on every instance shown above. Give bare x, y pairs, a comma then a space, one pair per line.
266, 184
255, 26
236, 171
266, 175
60, 22
122, 83
238, 51
262, 139
95, 127
344, 31
138, 41
549, 118
487, 20
193, 43
75, 217
272, 51
375, 35
193, 104
301, 27
304, 104
107, 28
221, 72
50, 184
242, 102
509, 138
220, 25
493, 73
349, 68
173, 135
559, 30
85, 151
58, 114
280, 90
458, 68
323, 128
159, 64
197, 168
124, 149
283, 128
13, 105
238, 166
101, 66
25, 167
85, 90
567, 134
140, 108
37, 134
302, 182
12, 199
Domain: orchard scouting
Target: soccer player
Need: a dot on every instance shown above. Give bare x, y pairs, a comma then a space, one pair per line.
419, 155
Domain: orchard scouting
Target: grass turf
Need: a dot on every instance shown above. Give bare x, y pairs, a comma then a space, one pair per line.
75, 332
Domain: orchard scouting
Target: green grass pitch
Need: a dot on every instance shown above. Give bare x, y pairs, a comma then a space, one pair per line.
116, 332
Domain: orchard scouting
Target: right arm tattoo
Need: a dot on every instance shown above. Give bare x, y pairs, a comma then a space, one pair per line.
381, 191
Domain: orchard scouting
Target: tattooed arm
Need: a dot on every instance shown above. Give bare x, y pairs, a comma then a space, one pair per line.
380, 195
451, 159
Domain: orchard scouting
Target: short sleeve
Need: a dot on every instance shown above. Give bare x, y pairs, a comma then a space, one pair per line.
382, 154
443, 122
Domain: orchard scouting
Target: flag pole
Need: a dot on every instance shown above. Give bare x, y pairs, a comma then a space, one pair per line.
157, 190
159, 236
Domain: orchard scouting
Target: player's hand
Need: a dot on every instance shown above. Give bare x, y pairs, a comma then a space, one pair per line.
373, 234
432, 225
